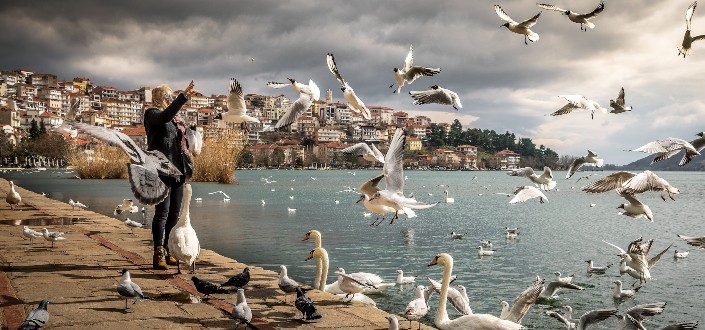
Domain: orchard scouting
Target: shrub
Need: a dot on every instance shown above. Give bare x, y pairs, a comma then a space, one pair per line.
102, 162
216, 163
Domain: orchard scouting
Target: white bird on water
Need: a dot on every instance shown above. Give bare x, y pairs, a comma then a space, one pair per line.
401, 279
354, 102
307, 95
522, 28
226, 198
582, 19
590, 158
438, 95
681, 254
409, 73
592, 269
619, 293
688, 39
484, 253
183, 241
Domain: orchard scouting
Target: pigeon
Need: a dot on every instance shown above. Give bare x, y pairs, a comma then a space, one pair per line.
523, 194
30, 233
354, 102
582, 19
126, 206
618, 104
668, 147
237, 110
305, 306
205, 287
579, 103
52, 236
144, 168
13, 197
688, 40
438, 95
307, 94
129, 289
409, 73
519, 28
239, 280
241, 312
591, 158
367, 152
37, 318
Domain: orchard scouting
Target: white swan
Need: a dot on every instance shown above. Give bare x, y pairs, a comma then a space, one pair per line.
378, 284
473, 321
13, 197
448, 199
183, 242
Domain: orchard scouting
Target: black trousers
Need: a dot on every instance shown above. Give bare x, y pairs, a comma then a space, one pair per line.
166, 213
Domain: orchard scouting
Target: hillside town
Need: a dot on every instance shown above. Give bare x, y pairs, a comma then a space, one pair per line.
32, 102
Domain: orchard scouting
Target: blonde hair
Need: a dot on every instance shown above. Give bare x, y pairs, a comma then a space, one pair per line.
162, 96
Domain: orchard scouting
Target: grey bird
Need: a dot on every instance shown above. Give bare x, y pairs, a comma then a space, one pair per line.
688, 39
618, 104
239, 280
305, 306
587, 319
37, 318
409, 73
205, 287
145, 166
129, 289
241, 312
694, 241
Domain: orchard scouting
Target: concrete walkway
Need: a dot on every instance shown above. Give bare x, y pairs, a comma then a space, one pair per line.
80, 275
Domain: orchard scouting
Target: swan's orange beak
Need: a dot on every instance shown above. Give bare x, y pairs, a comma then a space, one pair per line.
433, 262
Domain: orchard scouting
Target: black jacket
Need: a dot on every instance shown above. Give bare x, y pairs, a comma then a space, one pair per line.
162, 134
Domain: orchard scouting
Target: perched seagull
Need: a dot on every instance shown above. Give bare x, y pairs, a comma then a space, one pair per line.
226, 198
555, 286
417, 308
591, 158
566, 279
486, 243
408, 73
367, 152
680, 255
30, 233
455, 235
635, 208
522, 303
129, 289
668, 147
307, 94
354, 102
579, 103
205, 287
13, 197
636, 257
687, 38
241, 312
585, 321
393, 322
133, 224
239, 280
591, 269
438, 95
401, 279
582, 19
37, 318
618, 104
77, 204
632, 183
126, 206
519, 28
694, 241
237, 110
305, 306
353, 283
52, 236
619, 293
286, 284
484, 253
544, 181
525, 193
144, 168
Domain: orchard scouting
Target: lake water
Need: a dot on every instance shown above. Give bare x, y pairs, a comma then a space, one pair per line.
557, 236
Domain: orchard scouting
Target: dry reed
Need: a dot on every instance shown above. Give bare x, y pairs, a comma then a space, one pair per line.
106, 163
216, 163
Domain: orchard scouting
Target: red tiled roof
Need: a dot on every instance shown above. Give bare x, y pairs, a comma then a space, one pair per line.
135, 131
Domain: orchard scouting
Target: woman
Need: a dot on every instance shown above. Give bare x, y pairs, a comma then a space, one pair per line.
165, 132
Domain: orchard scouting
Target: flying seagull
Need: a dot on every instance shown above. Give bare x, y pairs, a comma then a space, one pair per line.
525, 193
632, 183
687, 38
591, 158
349, 95
438, 95
307, 94
544, 181
582, 19
409, 73
579, 103
694, 241
668, 147
126, 206
367, 152
584, 322
145, 166
618, 104
519, 28
237, 110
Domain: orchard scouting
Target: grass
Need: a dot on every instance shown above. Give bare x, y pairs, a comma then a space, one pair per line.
106, 163
216, 163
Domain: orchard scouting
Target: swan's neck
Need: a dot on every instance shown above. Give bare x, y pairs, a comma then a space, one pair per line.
185, 218
442, 314
317, 278
318, 241
323, 273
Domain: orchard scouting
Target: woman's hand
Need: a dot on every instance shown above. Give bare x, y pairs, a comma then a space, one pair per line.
189, 90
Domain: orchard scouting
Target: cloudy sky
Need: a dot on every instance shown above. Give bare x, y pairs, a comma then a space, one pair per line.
503, 84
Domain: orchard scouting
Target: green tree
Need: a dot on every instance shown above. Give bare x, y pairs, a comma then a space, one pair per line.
245, 159
526, 147
42, 129
437, 136
455, 135
33, 130
278, 157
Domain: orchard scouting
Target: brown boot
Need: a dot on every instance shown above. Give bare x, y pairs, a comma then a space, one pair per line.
158, 261
169, 259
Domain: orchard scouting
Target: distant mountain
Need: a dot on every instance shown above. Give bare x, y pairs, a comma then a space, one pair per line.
671, 164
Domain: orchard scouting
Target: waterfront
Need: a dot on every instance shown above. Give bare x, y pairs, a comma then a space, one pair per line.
557, 236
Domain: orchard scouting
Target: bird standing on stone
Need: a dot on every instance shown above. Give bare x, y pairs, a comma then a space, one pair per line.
30, 233
52, 236
305, 306
241, 312
286, 284
205, 287
126, 206
13, 197
239, 280
37, 318
129, 289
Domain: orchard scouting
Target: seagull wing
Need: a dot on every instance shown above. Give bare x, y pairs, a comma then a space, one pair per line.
559, 317
314, 90
700, 37
300, 106
277, 85
657, 257
236, 100
609, 183
503, 15
682, 326
593, 13
576, 100
418, 71
550, 7
393, 163
531, 21
566, 109
409, 60
575, 166
370, 187
524, 301
378, 154
431, 96
146, 185
620, 97
358, 149
525, 193
330, 60
689, 14
137, 156
523, 172
694, 241
595, 316
617, 247
644, 181
698, 144
640, 312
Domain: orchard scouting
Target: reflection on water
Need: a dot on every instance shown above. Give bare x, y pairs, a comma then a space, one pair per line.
408, 236
44, 221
